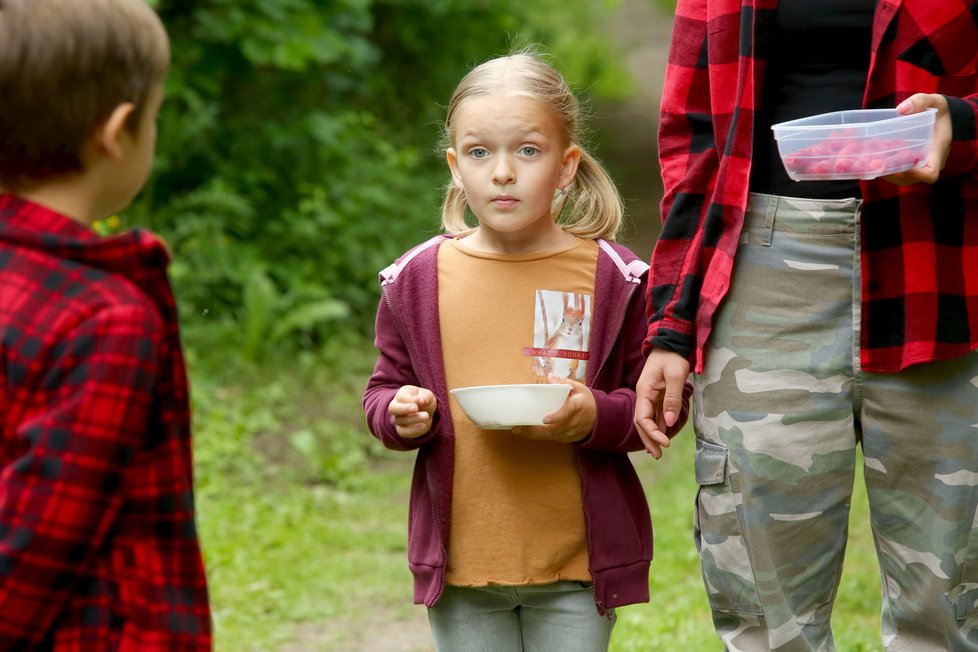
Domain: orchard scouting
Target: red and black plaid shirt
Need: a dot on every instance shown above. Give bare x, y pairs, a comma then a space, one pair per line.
98, 545
919, 243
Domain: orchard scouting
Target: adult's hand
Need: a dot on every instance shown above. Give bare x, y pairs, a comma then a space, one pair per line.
659, 398
930, 170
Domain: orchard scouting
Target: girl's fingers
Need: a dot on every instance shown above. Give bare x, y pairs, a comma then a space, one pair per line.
411, 419
400, 409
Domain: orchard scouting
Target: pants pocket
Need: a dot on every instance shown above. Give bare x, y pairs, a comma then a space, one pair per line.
718, 531
965, 595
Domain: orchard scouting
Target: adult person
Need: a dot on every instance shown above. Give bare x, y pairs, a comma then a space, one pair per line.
821, 316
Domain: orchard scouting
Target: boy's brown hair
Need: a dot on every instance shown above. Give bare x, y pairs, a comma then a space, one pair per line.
65, 65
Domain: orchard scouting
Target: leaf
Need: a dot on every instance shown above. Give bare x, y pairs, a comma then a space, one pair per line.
308, 316
259, 298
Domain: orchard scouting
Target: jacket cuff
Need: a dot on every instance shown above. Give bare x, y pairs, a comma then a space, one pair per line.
963, 154
674, 336
613, 428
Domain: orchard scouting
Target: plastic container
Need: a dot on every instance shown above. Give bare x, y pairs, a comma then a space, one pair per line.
858, 144
500, 407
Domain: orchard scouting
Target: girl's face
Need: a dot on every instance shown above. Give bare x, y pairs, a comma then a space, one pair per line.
509, 158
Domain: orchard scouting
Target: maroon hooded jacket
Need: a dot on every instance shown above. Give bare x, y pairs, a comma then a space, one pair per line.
619, 529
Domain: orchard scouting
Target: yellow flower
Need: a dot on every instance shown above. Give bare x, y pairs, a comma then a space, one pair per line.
108, 225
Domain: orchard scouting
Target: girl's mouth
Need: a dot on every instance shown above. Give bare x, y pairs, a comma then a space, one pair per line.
504, 201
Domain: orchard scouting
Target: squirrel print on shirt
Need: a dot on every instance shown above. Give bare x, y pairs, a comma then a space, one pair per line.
564, 347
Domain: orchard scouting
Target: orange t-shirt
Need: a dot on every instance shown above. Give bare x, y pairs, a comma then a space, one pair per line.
517, 514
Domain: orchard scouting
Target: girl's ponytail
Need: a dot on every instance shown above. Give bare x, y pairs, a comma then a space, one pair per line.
594, 207
453, 208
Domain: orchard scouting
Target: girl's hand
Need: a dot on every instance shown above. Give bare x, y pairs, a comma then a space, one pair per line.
930, 170
572, 422
413, 409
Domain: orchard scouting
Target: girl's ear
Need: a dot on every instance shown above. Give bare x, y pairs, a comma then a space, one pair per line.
452, 157
568, 165
108, 135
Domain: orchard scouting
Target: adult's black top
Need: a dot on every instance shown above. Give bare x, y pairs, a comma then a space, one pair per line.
819, 61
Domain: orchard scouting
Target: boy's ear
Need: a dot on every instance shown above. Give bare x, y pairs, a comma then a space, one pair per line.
108, 135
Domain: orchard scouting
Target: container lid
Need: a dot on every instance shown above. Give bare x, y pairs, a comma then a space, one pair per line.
836, 119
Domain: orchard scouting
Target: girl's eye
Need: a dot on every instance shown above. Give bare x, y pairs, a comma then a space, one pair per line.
478, 152
528, 150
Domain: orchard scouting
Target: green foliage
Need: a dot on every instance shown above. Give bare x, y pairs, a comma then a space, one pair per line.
298, 421
297, 150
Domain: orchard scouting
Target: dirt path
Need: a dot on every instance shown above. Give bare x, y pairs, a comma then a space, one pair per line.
382, 632
627, 146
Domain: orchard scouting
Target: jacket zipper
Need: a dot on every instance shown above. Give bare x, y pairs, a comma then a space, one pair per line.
621, 324
580, 468
441, 539
587, 535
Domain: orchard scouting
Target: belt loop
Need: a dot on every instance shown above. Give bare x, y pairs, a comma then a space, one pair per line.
772, 209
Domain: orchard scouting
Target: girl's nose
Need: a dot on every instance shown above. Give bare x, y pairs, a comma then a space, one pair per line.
503, 171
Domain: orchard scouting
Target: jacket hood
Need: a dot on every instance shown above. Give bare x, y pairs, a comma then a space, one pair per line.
137, 255
28, 225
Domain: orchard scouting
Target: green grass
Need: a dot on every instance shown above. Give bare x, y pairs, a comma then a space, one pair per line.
280, 557
303, 522
302, 517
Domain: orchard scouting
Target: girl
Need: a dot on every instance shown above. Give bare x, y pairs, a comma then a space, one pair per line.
524, 539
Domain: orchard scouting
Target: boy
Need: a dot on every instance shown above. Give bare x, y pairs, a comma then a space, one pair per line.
98, 545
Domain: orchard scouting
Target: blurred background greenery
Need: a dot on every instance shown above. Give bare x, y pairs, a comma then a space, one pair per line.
297, 157
297, 152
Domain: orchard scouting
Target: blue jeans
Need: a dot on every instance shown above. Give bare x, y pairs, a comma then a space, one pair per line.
558, 617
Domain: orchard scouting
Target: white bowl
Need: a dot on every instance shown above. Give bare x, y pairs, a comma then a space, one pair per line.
500, 407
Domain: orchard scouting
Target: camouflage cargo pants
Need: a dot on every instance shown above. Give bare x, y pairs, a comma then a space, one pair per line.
779, 410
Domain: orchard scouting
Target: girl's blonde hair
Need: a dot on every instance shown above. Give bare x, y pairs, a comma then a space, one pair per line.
591, 206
